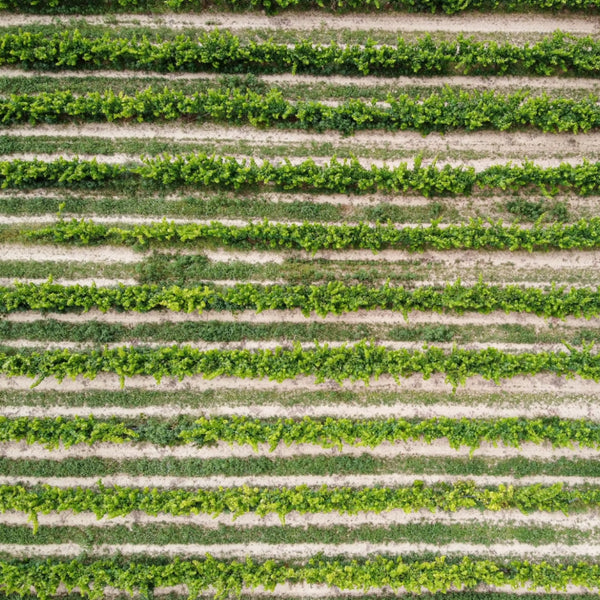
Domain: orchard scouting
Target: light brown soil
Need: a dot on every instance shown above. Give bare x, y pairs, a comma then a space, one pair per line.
399, 22
517, 145
441, 447
307, 550
388, 479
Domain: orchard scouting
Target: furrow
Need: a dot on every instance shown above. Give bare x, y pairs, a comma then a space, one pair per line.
479, 164
371, 317
436, 383
565, 407
498, 144
289, 345
395, 22
511, 517
354, 481
468, 82
305, 550
441, 448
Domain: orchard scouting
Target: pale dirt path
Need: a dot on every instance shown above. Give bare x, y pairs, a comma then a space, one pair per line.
518, 145
216, 482
588, 521
306, 550
572, 259
471, 82
543, 383
94, 254
395, 22
437, 448
480, 164
564, 406
371, 317
254, 345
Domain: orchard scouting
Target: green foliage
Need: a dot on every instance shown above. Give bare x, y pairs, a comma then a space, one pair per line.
118, 501
348, 177
312, 237
331, 298
360, 362
327, 433
439, 111
224, 52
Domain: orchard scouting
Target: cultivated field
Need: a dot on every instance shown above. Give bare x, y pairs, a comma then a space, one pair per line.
299, 298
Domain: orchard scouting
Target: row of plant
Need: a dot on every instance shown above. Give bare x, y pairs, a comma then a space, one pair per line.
115, 501
477, 234
332, 298
439, 111
229, 577
347, 177
225, 53
360, 362
275, 6
327, 433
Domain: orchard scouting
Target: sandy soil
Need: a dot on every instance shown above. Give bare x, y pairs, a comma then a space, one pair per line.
472, 82
304, 551
516, 145
109, 381
289, 345
588, 521
372, 317
123, 159
485, 23
440, 447
388, 479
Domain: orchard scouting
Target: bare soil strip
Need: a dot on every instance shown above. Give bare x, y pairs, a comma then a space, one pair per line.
563, 406
95, 254
372, 317
479, 164
589, 521
519, 145
216, 482
306, 550
571, 259
441, 447
110, 381
395, 22
470, 82
289, 345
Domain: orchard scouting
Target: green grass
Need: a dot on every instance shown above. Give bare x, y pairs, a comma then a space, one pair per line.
217, 331
329, 396
364, 464
162, 534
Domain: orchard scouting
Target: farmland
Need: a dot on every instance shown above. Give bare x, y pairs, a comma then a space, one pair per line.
299, 299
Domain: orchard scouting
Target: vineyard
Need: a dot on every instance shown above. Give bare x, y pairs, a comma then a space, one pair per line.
299, 299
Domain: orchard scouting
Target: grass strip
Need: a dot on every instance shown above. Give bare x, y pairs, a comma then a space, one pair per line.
365, 464
431, 533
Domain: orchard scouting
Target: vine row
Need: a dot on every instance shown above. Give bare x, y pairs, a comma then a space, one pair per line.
327, 433
331, 298
224, 52
115, 501
360, 362
347, 177
476, 234
441, 112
